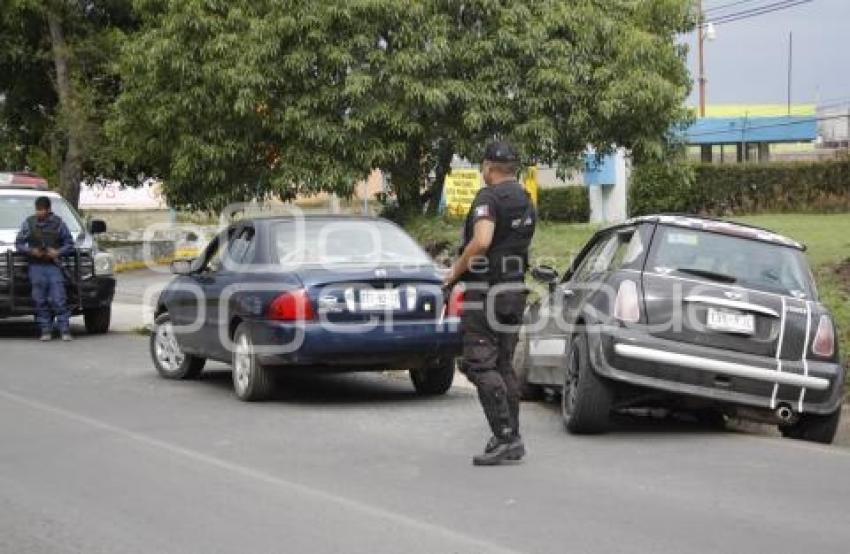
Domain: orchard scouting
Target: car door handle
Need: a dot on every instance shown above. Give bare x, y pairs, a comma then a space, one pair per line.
567, 292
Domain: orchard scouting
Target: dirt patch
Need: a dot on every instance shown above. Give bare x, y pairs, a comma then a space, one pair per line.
842, 272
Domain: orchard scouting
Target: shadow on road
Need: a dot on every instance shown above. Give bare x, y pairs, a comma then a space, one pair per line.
305, 388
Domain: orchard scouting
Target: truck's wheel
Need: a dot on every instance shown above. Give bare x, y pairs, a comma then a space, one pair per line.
434, 380
814, 428
527, 391
97, 320
251, 380
586, 399
168, 358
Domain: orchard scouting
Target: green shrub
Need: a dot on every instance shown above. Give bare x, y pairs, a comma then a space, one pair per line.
569, 204
662, 187
819, 187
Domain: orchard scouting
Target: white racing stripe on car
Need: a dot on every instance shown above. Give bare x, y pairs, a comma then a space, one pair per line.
806, 351
701, 363
782, 317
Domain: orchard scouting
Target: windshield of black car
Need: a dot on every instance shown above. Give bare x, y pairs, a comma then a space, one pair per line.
344, 241
727, 258
15, 209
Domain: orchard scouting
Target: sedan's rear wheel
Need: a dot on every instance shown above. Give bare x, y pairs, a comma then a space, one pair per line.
587, 398
251, 380
434, 380
814, 428
168, 357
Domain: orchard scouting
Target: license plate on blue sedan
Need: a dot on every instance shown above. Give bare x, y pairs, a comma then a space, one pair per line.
730, 322
380, 299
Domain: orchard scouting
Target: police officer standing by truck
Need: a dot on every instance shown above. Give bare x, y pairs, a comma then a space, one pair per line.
492, 265
45, 238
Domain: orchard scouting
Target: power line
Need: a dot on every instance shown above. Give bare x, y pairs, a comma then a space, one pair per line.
759, 11
722, 7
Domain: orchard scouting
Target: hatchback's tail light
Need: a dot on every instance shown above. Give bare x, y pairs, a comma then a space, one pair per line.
455, 305
627, 304
292, 305
824, 343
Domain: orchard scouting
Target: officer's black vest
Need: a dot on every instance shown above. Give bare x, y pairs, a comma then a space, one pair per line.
515, 218
44, 234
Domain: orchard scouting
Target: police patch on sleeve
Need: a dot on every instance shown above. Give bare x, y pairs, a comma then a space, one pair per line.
482, 211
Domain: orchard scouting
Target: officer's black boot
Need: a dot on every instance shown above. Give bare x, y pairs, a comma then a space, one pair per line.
493, 443
508, 447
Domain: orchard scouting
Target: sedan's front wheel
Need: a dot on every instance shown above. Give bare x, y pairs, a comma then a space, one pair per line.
251, 380
587, 398
168, 358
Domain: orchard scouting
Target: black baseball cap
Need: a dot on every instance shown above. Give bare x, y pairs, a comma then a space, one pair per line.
501, 151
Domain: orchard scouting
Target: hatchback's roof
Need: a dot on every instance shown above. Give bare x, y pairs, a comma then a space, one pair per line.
721, 226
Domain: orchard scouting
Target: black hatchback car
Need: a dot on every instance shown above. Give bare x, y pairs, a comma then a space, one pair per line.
689, 313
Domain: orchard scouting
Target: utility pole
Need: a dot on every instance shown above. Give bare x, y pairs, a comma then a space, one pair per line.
790, 61
701, 48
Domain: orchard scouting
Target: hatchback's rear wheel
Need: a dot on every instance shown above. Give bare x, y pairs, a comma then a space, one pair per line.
433, 380
168, 358
814, 428
251, 380
587, 398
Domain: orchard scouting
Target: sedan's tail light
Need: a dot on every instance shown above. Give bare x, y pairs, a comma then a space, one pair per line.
455, 305
627, 304
824, 343
291, 306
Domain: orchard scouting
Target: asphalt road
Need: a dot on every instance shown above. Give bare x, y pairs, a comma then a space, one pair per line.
98, 454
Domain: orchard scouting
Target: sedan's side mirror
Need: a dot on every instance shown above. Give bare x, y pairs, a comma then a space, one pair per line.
181, 267
545, 274
97, 226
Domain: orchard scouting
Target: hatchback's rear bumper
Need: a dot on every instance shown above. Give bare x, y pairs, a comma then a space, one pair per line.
635, 357
404, 345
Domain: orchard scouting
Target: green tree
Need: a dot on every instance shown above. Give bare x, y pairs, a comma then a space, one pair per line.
232, 100
58, 79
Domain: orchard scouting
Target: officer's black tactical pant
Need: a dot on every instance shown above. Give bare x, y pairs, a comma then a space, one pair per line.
488, 354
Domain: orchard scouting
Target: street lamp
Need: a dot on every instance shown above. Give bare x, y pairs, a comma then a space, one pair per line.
705, 31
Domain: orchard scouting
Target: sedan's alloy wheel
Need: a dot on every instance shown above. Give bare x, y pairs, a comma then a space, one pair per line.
243, 364
168, 353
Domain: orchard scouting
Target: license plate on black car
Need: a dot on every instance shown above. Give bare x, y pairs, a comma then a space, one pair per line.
730, 322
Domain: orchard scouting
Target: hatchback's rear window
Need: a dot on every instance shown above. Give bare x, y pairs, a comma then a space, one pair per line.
730, 259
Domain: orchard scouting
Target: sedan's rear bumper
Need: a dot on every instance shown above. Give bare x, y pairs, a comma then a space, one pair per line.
356, 346
637, 358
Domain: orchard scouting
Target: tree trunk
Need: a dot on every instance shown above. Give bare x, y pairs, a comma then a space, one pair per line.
445, 154
70, 173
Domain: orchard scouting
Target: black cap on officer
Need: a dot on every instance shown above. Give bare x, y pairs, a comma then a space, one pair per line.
501, 152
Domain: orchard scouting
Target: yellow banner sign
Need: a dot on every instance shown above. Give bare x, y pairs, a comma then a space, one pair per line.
459, 189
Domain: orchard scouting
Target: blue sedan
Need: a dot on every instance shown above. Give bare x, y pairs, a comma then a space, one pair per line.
328, 293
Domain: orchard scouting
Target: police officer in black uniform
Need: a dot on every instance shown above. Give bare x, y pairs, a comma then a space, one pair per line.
492, 265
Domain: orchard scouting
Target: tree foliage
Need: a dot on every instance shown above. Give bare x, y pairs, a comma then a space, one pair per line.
58, 80
233, 100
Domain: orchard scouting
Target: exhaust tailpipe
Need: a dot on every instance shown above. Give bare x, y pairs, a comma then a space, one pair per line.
784, 413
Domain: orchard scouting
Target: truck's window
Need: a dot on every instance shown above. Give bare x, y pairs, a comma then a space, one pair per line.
15, 209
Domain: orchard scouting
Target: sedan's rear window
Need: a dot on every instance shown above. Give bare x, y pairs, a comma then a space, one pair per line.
730, 259
344, 241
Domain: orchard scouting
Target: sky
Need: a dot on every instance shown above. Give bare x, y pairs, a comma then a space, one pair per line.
748, 61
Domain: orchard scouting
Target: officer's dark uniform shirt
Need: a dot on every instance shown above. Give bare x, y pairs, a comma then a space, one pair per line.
510, 208
50, 232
